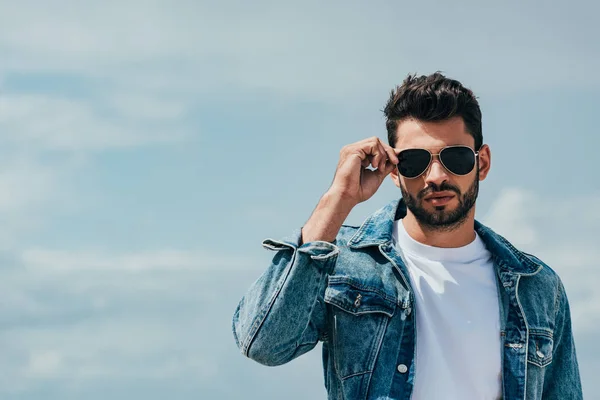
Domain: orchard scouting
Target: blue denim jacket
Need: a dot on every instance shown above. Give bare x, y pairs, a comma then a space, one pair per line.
355, 297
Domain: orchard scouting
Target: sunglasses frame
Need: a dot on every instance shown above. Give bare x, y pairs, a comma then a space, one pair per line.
431, 155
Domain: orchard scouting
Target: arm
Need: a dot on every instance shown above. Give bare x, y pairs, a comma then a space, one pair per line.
282, 316
562, 380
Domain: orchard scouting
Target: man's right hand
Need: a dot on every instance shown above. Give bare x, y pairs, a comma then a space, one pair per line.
353, 183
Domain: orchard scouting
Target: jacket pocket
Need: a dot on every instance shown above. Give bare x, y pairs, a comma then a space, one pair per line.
541, 345
359, 317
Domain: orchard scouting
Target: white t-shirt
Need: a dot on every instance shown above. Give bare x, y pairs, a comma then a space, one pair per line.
458, 353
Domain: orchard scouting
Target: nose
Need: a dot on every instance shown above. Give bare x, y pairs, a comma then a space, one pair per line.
436, 173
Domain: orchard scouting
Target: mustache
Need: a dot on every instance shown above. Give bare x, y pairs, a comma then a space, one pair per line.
433, 188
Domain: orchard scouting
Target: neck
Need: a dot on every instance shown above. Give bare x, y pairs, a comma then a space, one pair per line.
452, 236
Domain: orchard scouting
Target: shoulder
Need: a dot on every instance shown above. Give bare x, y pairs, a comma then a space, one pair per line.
545, 270
547, 281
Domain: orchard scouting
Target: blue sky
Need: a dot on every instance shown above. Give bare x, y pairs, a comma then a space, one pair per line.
148, 147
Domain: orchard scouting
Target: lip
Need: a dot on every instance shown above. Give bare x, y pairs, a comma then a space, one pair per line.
439, 199
439, 195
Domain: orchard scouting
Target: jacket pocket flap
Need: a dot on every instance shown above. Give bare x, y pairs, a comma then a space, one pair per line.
277, 245
541, 345
357, 299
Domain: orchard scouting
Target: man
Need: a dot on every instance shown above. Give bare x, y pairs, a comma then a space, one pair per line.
421, 301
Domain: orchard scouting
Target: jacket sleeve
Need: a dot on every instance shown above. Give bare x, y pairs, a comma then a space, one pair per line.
283, 314
562, 380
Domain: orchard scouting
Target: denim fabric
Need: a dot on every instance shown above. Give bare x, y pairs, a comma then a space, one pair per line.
354, 296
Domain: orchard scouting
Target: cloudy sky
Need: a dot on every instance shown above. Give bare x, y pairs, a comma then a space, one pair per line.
147, 147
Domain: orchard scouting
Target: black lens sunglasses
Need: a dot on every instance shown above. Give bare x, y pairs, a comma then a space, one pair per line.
459, 160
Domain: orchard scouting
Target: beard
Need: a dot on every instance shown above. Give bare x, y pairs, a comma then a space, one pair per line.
441, 219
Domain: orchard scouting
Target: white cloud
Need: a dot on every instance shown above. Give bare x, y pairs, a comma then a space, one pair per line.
147, 108
156, 316
128, 347
29, 189
79, 318
45, 138
58, 261
54, 123
44, 363
511, 213
25, 185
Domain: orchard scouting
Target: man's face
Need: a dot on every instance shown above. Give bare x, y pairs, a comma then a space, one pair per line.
437, 198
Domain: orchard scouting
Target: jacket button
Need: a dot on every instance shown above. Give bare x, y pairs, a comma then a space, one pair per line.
540, 354
402, 368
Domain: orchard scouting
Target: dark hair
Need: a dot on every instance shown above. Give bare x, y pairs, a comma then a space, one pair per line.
432, 98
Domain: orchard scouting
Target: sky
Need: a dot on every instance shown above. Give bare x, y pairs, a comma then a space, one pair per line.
148, 147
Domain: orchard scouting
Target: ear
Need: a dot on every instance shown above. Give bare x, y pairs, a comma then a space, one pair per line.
485, 161
395, 176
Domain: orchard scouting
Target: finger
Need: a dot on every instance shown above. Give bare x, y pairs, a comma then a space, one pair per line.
370, 150
384, 156
378, 155
391, 154
364, 144
350, 152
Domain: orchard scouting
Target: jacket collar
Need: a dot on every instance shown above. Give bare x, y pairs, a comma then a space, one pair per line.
377, 230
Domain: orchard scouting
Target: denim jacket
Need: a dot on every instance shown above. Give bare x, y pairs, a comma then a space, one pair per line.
354, 295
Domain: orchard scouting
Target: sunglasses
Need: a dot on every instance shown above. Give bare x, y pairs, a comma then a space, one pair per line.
459, 160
